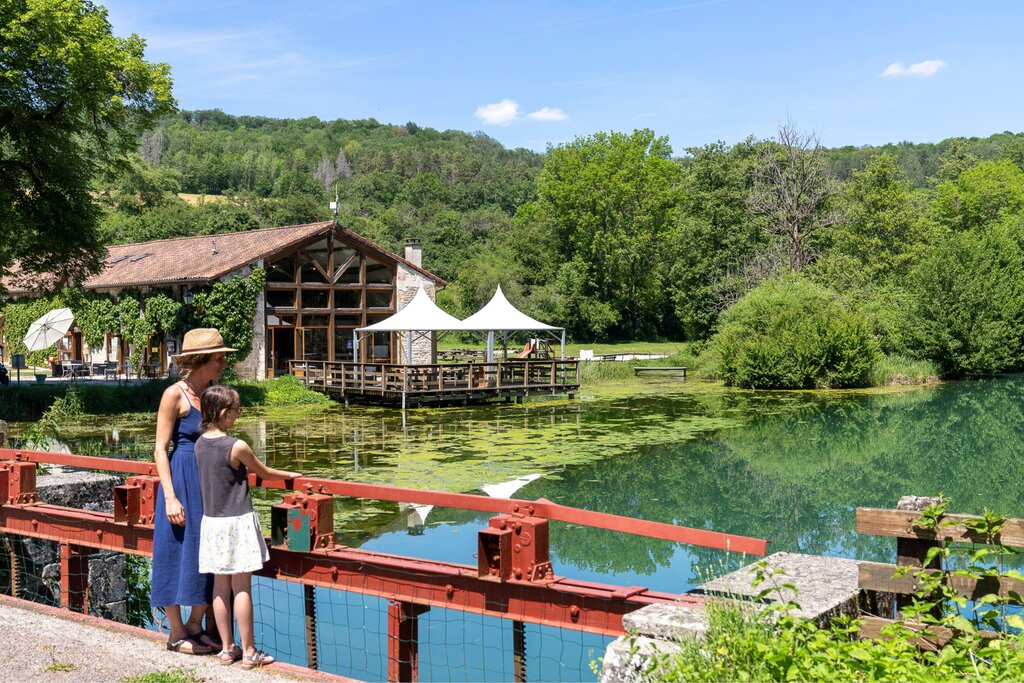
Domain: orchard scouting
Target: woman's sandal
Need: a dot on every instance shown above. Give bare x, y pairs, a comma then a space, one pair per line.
229, 657
190, 646
258, 658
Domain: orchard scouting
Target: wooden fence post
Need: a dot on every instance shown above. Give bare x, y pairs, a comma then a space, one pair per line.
911, 552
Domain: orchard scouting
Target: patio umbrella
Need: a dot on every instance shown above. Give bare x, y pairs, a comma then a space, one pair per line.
47, 331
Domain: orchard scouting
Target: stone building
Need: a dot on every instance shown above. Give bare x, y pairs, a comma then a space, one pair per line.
323, 281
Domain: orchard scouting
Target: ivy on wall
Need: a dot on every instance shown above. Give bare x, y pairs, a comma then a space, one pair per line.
230, 306
18, 317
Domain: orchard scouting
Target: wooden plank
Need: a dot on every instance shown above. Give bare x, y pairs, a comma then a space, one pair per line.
900, 524
932, 638
876, 576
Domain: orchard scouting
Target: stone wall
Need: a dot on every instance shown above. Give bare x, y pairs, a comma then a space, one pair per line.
40, 560
424, 346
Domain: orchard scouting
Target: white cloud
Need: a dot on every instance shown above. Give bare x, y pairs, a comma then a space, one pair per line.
548, 114
499, 113
925, 69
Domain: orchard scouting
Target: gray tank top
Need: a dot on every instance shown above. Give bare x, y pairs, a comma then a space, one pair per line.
225, 489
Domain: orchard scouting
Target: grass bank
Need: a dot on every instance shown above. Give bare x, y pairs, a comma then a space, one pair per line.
28, 402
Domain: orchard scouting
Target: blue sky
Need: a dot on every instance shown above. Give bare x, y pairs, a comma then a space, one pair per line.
532, 73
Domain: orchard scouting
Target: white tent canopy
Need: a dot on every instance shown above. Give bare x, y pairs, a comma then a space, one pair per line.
500, 315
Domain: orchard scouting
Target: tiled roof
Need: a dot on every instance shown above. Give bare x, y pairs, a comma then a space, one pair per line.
196, 259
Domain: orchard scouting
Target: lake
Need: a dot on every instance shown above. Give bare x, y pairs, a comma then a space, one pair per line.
789, 467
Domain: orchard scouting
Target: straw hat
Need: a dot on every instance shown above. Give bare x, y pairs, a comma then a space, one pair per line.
203, 340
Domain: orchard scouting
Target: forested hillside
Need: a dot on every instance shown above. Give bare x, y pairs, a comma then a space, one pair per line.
618, 235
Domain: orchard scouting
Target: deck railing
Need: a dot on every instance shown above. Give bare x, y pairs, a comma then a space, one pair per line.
389, 379
513, 580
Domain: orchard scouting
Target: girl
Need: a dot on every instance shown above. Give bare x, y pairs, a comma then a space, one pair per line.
231, 544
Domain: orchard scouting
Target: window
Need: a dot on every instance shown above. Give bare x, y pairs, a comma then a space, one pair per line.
378, 299
315, 298
348, 298
377, 273
282, 271
284, 298
350, 276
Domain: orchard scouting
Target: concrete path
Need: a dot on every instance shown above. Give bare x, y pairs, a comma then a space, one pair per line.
34, 639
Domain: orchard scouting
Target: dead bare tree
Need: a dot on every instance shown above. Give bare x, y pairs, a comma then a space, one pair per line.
325, 172
793, 187
744, 276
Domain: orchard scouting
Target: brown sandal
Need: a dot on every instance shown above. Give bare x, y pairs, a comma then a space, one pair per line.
190, 646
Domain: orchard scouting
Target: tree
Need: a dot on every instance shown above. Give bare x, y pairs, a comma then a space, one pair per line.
610, 198
789, 333
881, 233
73, 99
956, 159
980, 195
793, 187
714, 232
967, 302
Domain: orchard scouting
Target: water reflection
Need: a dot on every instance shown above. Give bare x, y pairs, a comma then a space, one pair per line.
789, 467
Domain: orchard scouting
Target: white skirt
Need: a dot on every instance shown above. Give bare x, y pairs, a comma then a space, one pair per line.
231, 545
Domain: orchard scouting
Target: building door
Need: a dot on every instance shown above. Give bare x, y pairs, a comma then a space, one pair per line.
282, 349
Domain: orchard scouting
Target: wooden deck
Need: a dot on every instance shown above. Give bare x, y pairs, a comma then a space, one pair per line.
394, 384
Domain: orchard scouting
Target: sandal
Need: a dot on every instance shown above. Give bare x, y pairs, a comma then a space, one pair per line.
258, 658
190, 646
229, 657
205, 638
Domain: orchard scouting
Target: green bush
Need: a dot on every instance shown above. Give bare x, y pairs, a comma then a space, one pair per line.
966, 309
789, 333
742, 646
283, 391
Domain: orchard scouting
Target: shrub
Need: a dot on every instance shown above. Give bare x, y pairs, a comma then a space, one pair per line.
789, 333
966, 309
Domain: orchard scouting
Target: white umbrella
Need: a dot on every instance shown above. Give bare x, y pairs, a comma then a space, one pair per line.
47, 331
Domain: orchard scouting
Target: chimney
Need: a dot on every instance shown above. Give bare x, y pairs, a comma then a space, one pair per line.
413, 251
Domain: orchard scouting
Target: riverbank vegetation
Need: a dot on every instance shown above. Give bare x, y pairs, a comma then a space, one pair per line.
29, 402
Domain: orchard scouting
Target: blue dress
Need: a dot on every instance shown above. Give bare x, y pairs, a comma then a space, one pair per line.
176, 577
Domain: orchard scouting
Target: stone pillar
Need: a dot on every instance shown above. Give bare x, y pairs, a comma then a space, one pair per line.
408, 282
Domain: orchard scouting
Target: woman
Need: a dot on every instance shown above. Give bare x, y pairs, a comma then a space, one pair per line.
179, 504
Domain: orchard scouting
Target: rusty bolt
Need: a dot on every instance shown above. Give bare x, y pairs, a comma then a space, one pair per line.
35, 523
517, 526
529, 509
449, 590
517, 547
574, 612
502, 524
519, 573
515, 507
334, 573
99, 534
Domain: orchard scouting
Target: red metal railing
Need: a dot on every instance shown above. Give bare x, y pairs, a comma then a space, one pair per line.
513, 579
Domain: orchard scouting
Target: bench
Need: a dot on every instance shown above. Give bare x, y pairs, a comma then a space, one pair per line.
664, 371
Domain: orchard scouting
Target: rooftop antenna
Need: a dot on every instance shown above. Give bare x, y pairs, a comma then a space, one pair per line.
335, 204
